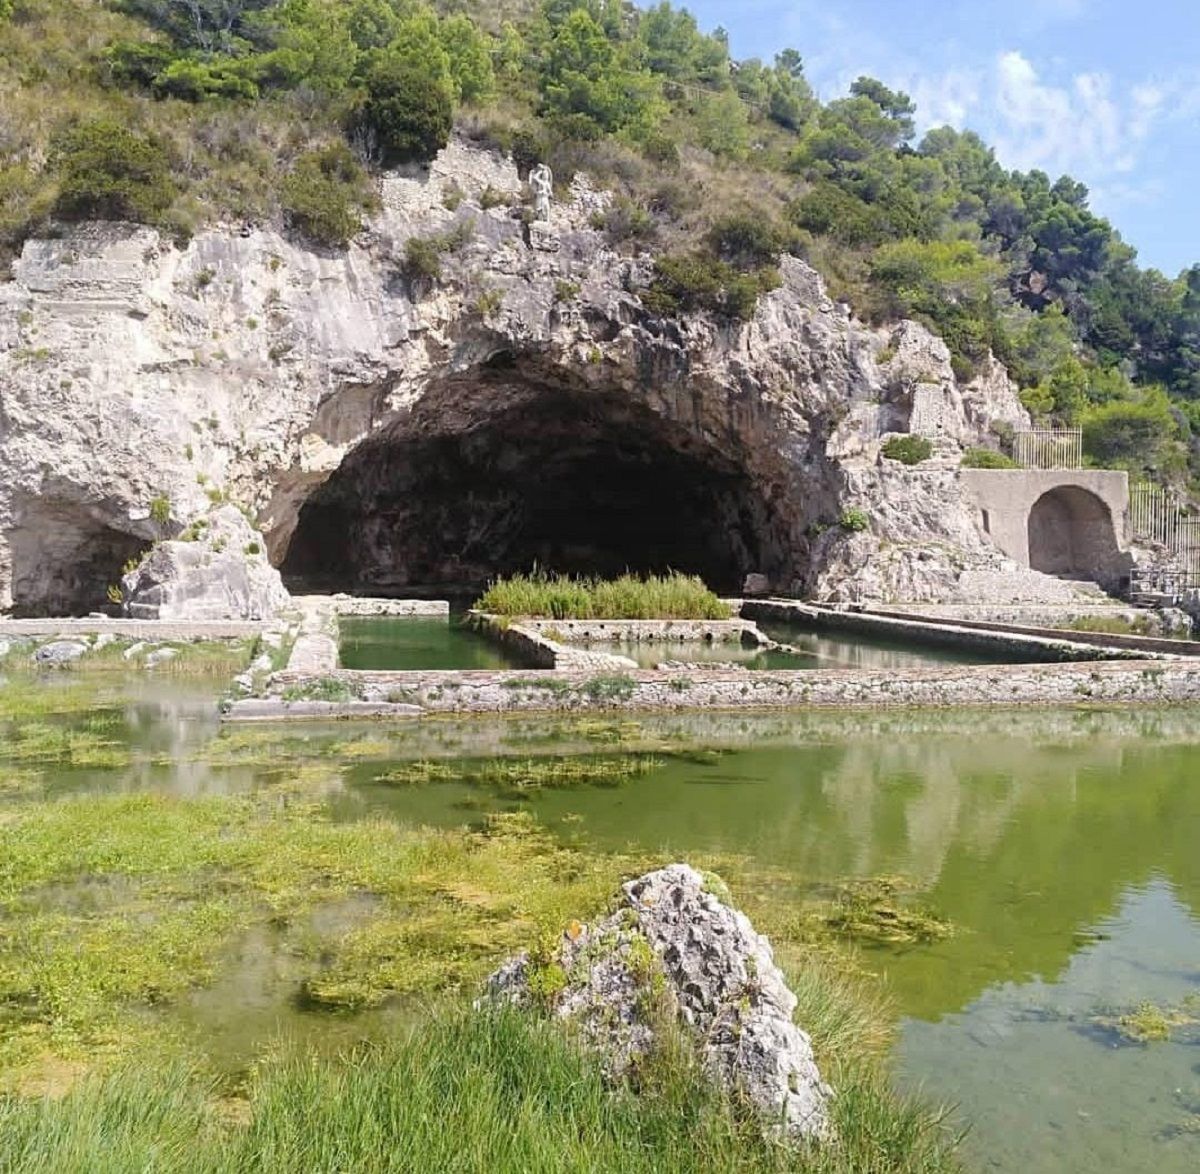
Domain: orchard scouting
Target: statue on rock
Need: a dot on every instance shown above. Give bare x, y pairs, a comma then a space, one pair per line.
541, 183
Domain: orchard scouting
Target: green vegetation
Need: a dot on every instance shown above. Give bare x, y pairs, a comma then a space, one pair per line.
325, 195
174, 114
908, 450
1114, 625
1149, 1023
106, 171
561, 597
986, 458
518, 777
464, 1092
854, 520
879, 911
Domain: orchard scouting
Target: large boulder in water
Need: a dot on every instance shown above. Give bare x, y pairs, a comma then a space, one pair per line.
672, 944
218, 571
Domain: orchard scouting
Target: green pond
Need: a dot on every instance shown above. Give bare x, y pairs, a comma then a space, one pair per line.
1063, 847
409, 644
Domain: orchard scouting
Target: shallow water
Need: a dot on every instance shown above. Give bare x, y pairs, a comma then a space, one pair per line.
1063, 847
418, 644
409, 644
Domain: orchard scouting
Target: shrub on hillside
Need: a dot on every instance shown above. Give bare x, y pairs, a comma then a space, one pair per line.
698, 281
908, 450
854, 520
986, 458
409, 109
1131, 434
325, 195
747, 240
108, 172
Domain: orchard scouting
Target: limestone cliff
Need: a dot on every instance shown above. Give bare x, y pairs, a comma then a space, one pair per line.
389, 428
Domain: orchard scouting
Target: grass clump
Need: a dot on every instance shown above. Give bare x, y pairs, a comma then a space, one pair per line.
321, 689
1113, 625
563, 597
462, 1091
854, 520
987, 458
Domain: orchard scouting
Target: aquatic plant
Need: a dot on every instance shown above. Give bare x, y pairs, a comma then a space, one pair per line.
875, 910
630, 597
523, 776
1149, 1023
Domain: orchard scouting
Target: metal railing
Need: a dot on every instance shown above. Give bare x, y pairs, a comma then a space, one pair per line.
1049, 448
1158, 516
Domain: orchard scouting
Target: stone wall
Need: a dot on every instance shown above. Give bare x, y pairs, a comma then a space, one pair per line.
1126, 682
1072, 522
649, 631
1007, 643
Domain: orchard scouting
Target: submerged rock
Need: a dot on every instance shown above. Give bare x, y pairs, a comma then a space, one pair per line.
674, 947
219, 571
60, 652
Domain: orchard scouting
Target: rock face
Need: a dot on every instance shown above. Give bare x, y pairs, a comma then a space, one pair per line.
387, 430
219, 571
674, 941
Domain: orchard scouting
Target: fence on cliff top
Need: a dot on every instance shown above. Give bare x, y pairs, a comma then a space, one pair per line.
1049, 448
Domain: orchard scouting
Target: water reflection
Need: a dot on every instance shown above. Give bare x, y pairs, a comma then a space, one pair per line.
1044, 1087
1062, 845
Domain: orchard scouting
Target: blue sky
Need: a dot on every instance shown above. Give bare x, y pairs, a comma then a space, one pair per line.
1105, 90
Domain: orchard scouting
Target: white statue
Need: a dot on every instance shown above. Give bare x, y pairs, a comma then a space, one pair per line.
541, 183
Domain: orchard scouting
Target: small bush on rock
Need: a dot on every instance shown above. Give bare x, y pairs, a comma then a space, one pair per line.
108, 172
325, 195
854, 520
986, 458
409, 108
908, 450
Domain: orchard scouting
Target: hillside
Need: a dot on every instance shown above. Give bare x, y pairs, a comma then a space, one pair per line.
180, 112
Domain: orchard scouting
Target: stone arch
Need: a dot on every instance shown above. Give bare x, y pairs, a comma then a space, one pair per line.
520, 460
1072, 535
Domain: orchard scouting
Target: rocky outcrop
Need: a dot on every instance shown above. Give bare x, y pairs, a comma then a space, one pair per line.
218, 570
674, 948
386, 428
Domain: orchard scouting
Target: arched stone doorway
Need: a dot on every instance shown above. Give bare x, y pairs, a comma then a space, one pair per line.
514, 464
1072, 535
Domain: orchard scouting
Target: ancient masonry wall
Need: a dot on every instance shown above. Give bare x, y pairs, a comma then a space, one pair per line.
410, 694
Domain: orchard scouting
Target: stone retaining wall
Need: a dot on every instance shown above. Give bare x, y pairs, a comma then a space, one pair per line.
1105, 640
537, 649
353, 605
648, 631
996, 642
1057, 616
1107, 682
192, 630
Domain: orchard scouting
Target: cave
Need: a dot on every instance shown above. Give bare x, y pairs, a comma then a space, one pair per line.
502, 470
1071, 535
66, 556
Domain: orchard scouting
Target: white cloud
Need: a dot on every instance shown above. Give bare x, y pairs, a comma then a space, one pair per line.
1083, 124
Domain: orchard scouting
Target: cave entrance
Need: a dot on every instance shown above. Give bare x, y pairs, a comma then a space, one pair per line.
1071, 534
500, 472
65, 557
